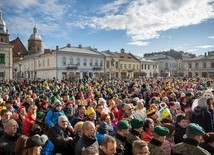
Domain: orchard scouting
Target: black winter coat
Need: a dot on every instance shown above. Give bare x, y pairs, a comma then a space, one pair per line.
85, 142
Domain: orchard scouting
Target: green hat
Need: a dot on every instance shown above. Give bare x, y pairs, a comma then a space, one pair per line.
136, 123
40, 115
161, 131
196, 129
123, 124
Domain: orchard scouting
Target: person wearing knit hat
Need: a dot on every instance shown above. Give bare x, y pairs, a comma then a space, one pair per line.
54, 113
190, 145
202, 115
208, 94
135, 132
154, 145
123, 127
35, 140
102, 131
90, 115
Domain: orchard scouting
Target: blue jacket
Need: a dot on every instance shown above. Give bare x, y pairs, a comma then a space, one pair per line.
52, 116
48, 148
100, 137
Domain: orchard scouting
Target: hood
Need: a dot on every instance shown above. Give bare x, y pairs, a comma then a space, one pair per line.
198, 110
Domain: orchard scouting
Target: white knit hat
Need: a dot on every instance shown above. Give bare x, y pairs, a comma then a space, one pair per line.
208, 94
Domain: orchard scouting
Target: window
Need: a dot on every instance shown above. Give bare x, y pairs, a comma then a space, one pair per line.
35, 64
121, 66
124, 66
101, 63
39, 63
196, 65
64, 61
189, 65
107, 64
134, 66
130, 66
48, 62
145, 67
196, 73
85, 62
212, 64
78, 61
2, 58
117, 64
2, 40
204, 65
142, 66
91, 62
43, 62
148, 66
96, 62
71, 61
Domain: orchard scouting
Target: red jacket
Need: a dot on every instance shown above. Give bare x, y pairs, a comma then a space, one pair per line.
28, 122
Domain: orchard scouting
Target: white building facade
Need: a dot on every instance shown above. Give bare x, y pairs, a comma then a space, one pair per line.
201, 66
67, 62
6, 53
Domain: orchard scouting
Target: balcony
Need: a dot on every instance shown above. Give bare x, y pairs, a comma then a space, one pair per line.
72, 67
97, 68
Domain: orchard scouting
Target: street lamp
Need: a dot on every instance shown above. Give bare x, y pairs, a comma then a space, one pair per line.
20, 70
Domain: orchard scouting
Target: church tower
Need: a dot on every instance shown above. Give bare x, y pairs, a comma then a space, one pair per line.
35, 42
6, 52
4, 35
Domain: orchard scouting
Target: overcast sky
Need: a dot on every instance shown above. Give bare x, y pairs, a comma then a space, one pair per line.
138, 26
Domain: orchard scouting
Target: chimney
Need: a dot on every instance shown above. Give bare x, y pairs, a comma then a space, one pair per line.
57, 48
69, 45
80, 46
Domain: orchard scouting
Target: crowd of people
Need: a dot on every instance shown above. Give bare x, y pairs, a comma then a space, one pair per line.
165, 116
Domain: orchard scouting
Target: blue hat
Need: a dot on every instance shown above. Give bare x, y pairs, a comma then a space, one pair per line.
196, 129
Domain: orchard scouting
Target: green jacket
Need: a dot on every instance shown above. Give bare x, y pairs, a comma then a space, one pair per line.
155, 147
189, 147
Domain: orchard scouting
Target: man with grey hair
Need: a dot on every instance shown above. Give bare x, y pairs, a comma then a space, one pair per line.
61, 136
8, 140
88, 138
